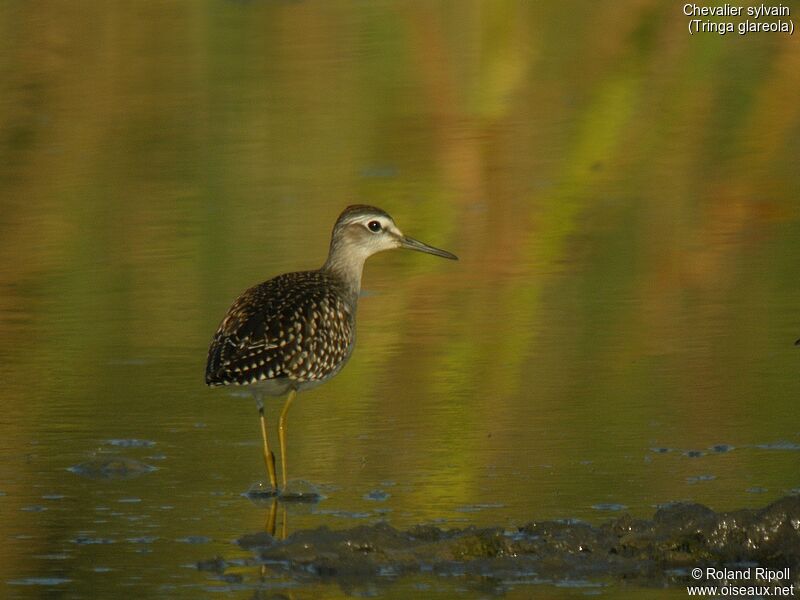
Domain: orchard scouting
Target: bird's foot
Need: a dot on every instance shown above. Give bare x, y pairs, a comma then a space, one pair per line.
260, 491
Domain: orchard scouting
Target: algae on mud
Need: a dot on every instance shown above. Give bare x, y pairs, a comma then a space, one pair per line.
660, 551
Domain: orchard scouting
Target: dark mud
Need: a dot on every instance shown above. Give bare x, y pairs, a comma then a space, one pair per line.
112, 467
661, 551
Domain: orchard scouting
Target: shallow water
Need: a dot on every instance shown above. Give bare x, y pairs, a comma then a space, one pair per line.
618, 333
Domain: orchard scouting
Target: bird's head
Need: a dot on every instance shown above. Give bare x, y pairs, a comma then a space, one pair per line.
362, 231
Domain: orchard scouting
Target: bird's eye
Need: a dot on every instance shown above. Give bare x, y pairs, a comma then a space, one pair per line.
374, 226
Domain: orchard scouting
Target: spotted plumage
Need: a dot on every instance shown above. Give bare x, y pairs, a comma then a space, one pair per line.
297, 330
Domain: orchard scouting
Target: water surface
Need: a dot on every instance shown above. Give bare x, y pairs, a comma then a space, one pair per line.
618, 333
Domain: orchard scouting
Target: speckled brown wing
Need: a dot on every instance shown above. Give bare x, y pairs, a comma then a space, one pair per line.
296, 326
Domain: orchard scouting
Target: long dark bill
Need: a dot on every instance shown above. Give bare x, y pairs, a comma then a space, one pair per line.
412, 244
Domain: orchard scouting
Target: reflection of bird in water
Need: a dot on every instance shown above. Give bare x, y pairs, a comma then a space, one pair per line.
297, 330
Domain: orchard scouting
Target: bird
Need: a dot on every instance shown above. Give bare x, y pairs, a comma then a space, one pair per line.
298, 330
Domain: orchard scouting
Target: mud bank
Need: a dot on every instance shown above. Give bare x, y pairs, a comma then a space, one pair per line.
660, 551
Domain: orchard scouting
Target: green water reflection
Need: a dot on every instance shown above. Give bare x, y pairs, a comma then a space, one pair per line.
623, 198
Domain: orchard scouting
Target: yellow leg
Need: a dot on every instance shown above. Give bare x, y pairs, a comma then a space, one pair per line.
282, 433
270, 528
269, 457
272, 517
